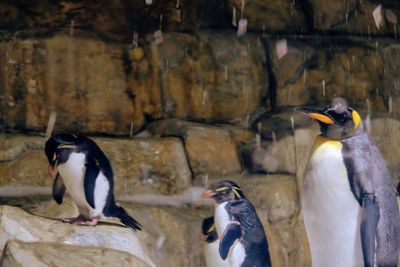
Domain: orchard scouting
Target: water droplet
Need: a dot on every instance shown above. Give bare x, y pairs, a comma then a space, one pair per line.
292, 122
390, 104
258, 141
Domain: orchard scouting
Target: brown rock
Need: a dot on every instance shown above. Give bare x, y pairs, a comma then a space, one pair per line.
273, 195
385, 133
202, 77
351, 72
24, 254
148, 165
210, 150
83, 80
271, 16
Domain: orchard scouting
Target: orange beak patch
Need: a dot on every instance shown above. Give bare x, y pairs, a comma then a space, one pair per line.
208, 194
320, 117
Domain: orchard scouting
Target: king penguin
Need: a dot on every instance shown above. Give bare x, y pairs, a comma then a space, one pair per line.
242, 237
211, 244
348, 201
79, 166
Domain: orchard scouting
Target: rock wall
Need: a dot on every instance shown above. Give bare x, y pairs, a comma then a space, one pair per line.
197, 102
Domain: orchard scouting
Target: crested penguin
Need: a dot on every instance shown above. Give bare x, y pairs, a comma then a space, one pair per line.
79, 166
242, 237
211, 244
348, 201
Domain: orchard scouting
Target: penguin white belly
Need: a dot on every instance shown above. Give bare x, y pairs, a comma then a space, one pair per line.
237, 254
211, 254
331, 213
221, 218
73, 173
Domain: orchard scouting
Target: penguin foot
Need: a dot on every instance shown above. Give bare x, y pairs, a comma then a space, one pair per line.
80, 220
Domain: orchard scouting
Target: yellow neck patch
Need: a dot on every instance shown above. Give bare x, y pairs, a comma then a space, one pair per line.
356, 119
324, 141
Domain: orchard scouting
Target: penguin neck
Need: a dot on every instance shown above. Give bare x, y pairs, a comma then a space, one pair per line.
338, 133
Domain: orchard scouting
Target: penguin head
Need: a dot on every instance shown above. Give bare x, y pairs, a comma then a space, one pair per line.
223, 191
58, 143
337, 120
208, 230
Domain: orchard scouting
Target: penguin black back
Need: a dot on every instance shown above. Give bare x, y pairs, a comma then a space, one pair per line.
252, 233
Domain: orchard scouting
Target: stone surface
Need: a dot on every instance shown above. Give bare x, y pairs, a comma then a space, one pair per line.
82, 79
109, 88
271, 16
118, 20
354, 17
312, 75
170, 237
274, 196
385, 133
288, 154
24, 254
201, 78
210, 150
139, 165
17, 224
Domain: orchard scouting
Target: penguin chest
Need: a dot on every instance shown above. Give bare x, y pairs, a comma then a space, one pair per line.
211, 254
73, 175
222, 218
237, 254
331, 213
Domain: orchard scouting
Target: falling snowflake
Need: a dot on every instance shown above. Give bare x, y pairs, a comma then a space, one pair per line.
377, 14
281, 48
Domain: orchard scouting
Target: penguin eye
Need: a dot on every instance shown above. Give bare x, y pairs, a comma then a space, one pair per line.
339, 117
226, 191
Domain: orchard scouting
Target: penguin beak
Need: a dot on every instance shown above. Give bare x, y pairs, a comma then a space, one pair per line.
203, 237
316, 114
53, 167
208, 194
52, 170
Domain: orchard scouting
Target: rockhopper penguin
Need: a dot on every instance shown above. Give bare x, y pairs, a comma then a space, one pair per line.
242, 237
348, 200
211, 244
79, 166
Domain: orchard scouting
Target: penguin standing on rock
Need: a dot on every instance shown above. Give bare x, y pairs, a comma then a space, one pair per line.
79, 166
242, 237
348, 201
211, 244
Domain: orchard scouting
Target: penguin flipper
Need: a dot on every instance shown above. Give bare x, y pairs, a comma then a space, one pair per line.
370, 218
58, 189
232, 232
89, 184
207, 224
